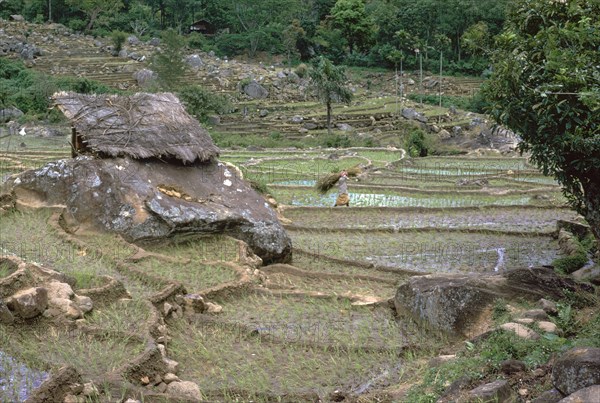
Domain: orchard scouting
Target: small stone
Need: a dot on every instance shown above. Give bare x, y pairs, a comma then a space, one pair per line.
83, 303
167, 308
211, 307
132, 401
549, 396
547, 327
161, 387
537, 314
523, 392
145, 380
172, 365
539, 372
89, 389
157, 379
510, 367
548, 306
76, 388
73, 399
439, 360
525, 321
162, 349
185, 389
168, 378
498, 391
520, 330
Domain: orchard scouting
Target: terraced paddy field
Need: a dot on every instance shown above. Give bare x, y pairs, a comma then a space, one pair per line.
311, 329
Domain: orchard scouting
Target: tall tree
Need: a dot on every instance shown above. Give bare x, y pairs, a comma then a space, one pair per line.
350, 16
169, 63
94, 9
329, 83
546, 87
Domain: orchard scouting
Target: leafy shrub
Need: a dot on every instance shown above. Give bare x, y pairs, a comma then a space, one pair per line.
230, 44
302, 70
337, 141
118, 39
81, 85
417, 144
201, 103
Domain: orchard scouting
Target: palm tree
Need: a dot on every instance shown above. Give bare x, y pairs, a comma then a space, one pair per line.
329, 83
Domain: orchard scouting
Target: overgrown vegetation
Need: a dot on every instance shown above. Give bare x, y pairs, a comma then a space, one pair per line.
201, 103
30, 91
355, 32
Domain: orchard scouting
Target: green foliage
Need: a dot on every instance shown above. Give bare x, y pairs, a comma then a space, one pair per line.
329, 83
118, 40
81, 85
350, 16
545, 86
473, 104
417, 144
301, 70
201, 103
30, 91
569, 264
337, 141
169, 63
500, 311
95, 10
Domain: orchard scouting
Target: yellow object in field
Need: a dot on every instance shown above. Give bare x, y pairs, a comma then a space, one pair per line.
342, 200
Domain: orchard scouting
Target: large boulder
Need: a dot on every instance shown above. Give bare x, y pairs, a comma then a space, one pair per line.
10, 113
455, 302
576, 369
255, 91
146, 200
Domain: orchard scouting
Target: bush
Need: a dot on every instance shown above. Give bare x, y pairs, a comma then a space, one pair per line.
337, 141
118, 39
230, 44
81, 85
202, 103
302, 70
417, 144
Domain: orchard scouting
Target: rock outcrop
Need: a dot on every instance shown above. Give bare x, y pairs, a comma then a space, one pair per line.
146, 200
576, 369
455, 302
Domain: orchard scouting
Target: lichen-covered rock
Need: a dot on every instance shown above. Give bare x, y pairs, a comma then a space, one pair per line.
576, 369
152, 200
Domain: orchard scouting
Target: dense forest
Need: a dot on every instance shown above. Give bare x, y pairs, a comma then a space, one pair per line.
381, 33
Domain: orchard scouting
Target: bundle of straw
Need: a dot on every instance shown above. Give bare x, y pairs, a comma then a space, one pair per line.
325, 183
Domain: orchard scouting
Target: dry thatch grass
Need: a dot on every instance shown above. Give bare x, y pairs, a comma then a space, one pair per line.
325, 183
138, 126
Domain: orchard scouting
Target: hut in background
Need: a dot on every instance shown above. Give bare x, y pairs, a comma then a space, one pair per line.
138, 126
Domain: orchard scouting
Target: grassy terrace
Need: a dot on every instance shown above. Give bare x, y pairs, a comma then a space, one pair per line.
296, 330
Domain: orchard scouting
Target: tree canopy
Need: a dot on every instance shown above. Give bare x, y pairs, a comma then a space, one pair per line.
360, 32
329, 83
546, 87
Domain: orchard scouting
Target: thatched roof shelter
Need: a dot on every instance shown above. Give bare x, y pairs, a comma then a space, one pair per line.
138, 126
